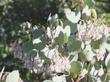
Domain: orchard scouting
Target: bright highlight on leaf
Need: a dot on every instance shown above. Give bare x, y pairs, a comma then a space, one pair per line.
72, 16
59, 78
13, 76
1, 73
94, 14
107, 59
86, 11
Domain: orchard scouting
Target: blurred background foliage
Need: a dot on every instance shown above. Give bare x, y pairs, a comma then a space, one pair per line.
14, 12
37, 11
103, 10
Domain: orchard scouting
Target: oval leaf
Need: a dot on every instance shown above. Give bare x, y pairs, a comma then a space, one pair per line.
39, 46
96, 44
73, 44
75, 69
27, 47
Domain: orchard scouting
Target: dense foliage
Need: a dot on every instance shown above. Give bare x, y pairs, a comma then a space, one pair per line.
62, 41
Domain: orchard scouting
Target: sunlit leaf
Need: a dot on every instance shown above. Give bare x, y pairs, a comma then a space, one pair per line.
1, 73
67, 30
107, 60
106, 46
13, 76
71, 16
59, 78
62, 38
49, 32
93, 14
36, 41
83, 72
65, 38
73, 56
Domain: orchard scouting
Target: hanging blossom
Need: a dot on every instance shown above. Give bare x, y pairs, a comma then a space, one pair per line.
38, 66
92, 31
59, 63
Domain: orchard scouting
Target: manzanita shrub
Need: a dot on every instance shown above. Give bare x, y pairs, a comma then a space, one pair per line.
75, 48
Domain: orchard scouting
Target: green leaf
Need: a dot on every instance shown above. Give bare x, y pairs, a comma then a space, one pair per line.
108, 40
46, 59
65, 38
89, 67
97, 65
33, 53
27, 47
37, 33
107, 78
75, 69
73, 44
72, 26
93, 13
108, 64
60, 38
96, 44
39, 46
54, 20
85, 17
82, 57
44, 39
90, 3
13, 76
